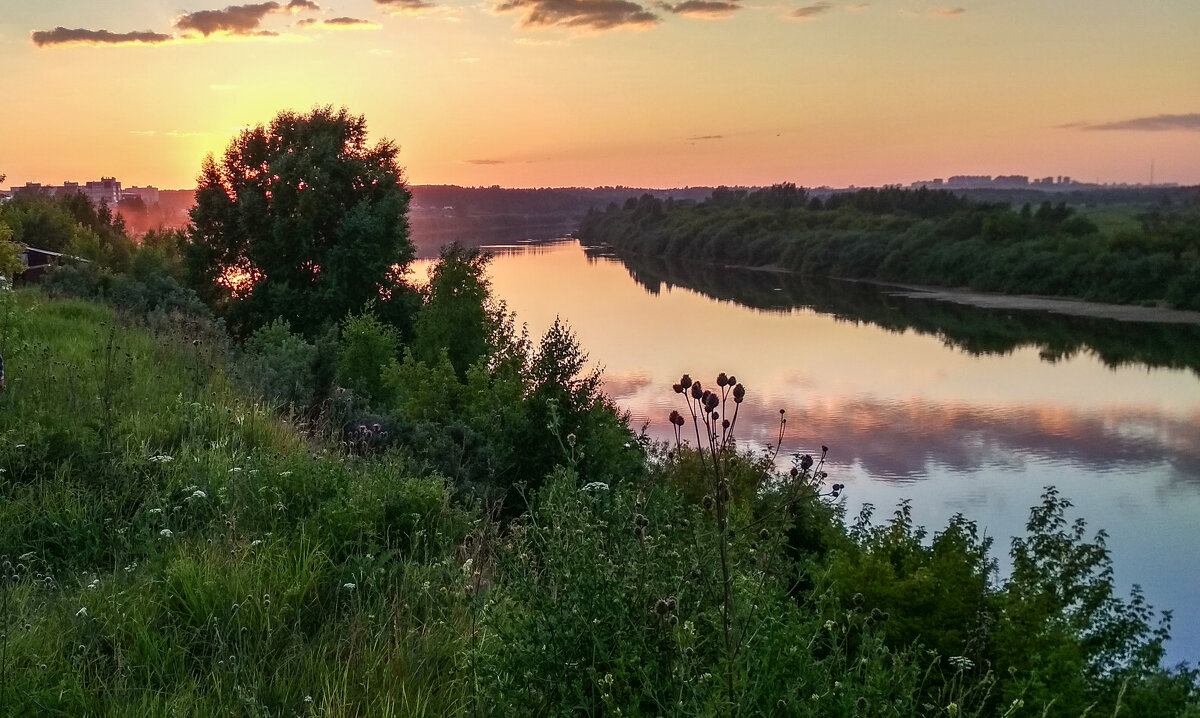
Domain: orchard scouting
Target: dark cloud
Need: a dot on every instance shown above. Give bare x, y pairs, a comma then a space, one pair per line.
80, 36
402, 7
695, 138
485, 162
238, 19
1157, 123
947, 11
810, 12
585, 14
708, 9
341, 23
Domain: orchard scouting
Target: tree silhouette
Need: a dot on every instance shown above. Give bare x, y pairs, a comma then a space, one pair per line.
302, 220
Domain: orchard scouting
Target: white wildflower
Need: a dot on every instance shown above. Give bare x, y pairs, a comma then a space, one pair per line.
155, 512
349, 586
287, 473
467, 566
198, 494
595, 486
830, 625
235, 469
82, 612
94, 584
256, 543
962, 663
166, 533
161, 459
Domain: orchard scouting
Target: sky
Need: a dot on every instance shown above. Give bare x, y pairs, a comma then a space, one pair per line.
644, 93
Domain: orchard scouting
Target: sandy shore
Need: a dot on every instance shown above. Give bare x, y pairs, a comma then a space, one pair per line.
1056, 305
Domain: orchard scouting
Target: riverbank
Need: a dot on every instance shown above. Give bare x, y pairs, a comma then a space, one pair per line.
1054, 305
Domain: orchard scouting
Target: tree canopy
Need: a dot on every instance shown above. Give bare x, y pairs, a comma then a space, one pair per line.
300, 219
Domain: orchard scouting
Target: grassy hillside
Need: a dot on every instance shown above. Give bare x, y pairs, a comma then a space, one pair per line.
170, 547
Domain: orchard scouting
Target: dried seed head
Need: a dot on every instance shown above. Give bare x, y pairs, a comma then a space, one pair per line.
722, 380
677, 388
707, 503
685, 381
660, 608
739, 393
697, 390
806, 462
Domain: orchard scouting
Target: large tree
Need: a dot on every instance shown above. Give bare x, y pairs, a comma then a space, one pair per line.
300, 219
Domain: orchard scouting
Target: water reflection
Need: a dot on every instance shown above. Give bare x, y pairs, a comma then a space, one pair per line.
957, 408
978, 331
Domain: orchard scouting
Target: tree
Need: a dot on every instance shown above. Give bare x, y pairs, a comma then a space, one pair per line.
302, 220
455, 315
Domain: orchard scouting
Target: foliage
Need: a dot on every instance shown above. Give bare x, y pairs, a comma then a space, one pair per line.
367, 346
279, 366
454, 317
169, 546
10, 254
918, 236
310, 218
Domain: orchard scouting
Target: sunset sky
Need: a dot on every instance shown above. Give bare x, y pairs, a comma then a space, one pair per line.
604, 92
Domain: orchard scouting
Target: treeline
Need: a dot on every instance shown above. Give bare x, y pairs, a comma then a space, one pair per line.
919, 236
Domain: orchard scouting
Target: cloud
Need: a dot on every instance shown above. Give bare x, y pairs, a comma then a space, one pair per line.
810, 12
485, 162
340, 23
582, 14
947, 11
704, 9
238, 19
1157, 123
80, 36
859, 7
536, 42
701, 138
406, 7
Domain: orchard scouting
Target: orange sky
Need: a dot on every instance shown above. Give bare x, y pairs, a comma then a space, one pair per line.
601, 92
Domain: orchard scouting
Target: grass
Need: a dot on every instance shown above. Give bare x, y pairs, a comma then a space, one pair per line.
177, 550
171, 548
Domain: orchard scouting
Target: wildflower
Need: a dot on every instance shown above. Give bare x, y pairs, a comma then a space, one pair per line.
82, 612
570, 440
830, 625
94, 584
962, 663
287, 473
235, 469
467, 566
198, 494
160, 459
349, 586
166, 533
952, 709
308, 699
256, 543
595, 486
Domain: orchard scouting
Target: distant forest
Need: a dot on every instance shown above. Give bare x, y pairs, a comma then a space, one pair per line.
1145, 254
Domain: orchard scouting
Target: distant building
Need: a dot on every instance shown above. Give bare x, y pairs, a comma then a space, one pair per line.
148, 195
106, 189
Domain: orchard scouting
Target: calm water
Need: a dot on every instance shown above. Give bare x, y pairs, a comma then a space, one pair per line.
954, 408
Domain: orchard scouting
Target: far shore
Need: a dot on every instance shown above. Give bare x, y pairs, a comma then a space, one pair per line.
1056, 305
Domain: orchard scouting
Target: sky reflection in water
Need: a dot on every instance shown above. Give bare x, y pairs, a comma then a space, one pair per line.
906, 414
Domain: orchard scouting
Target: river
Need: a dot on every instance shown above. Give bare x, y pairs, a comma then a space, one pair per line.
955, 408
